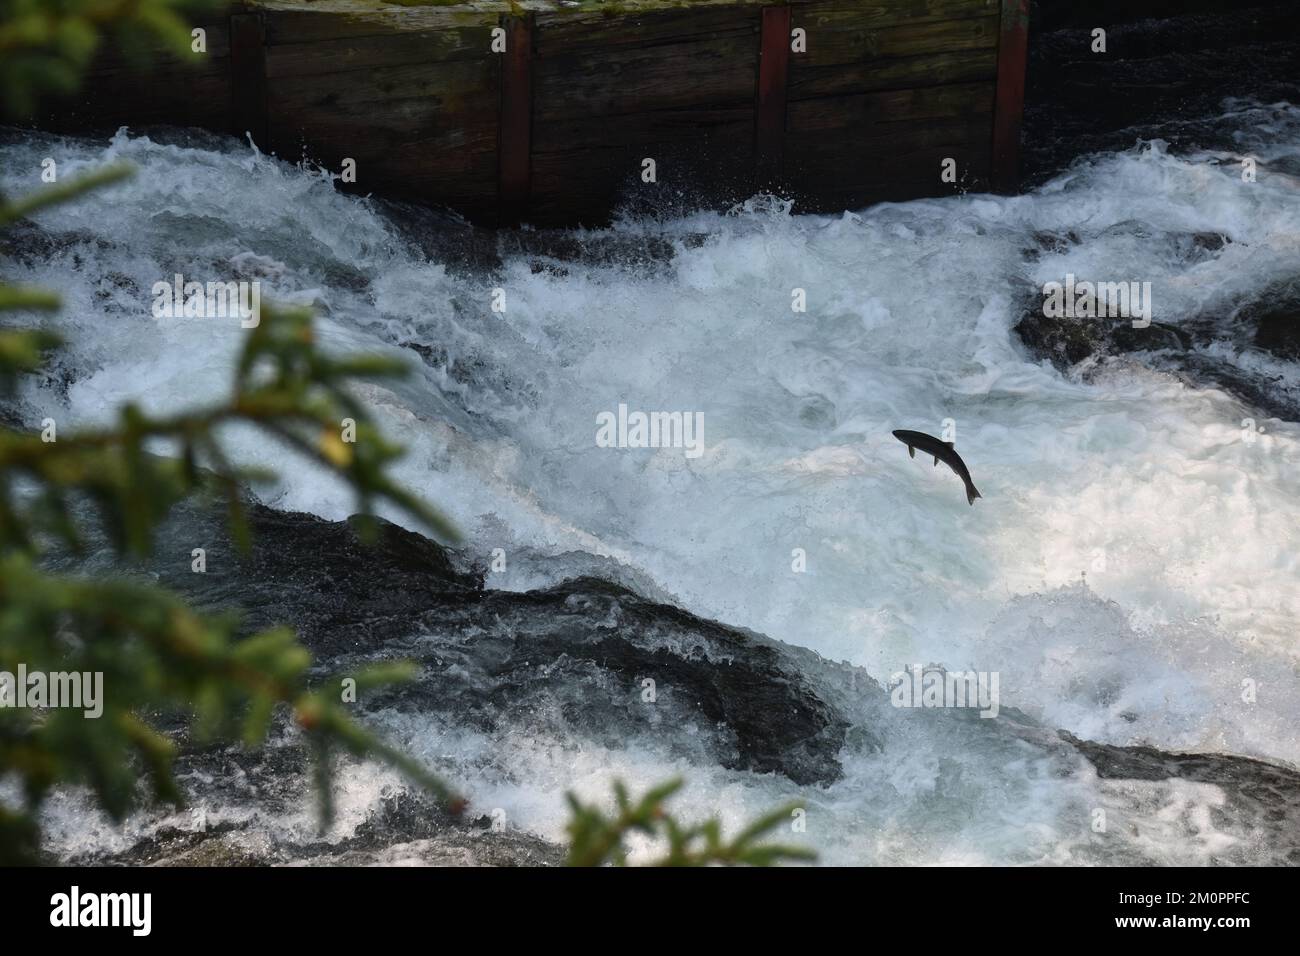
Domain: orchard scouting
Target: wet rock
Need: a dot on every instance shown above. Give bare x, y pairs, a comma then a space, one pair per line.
1063, 342
1277, 330
565, 663
339, 593
469, 250
171, 846
1068, 342
568, 662
1053, 243
1261, 797
401, 830
1157, 336
1214, 350
572, 658
607, 641
1209, 241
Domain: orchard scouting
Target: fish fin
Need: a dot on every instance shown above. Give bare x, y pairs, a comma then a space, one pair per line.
971, 494
936, 461
950, 444
911, 452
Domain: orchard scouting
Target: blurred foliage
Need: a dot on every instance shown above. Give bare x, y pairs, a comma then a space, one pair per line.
46, 45
597, 839
158, 657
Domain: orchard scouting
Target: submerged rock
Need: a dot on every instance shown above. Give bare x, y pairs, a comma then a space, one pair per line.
584, 660
1275, 317
580, 652
570, 666
1249, 350
1261, 797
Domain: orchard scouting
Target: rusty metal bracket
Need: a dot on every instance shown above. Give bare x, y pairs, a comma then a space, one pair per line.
1009, 103
769, 108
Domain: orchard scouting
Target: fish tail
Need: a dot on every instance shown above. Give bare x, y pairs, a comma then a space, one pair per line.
971, 494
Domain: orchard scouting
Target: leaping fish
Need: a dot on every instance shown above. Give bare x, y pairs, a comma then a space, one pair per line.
942, 452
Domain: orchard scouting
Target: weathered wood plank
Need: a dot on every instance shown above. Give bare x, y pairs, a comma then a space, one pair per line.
403, 159
828, 114
641, 129
570, 32
341, 55
911, 72
702, 71
878, 146
418, 98
315, 20
425, 131
875, 14
706, 155
856, 44
446, 88
327, 20
608, 188
966, 135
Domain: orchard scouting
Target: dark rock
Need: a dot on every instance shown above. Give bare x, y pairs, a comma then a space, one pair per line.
1261, 797
403, 827
1067, 342
567, 662
1063, 342
1155, 337
1277, 330
358, 597
1211, 349
593, 633
561, 663
1050, 242
1209, 241
576, 653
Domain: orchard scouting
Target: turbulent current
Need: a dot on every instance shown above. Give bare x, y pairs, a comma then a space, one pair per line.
1130, 573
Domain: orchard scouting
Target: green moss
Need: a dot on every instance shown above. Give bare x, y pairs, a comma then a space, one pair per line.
609, 7
424, 3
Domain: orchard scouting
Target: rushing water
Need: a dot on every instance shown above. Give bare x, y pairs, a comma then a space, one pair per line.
1132, 562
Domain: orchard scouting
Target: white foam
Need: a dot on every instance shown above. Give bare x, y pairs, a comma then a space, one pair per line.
1186, 534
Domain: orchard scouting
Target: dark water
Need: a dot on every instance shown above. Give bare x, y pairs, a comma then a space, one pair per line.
1166, 73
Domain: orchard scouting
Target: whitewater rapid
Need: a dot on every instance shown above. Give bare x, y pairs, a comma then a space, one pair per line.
1130, 570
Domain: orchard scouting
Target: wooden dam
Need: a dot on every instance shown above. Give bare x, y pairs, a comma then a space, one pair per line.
547, 111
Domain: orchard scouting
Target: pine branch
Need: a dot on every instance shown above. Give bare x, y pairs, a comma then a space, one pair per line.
598, 839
